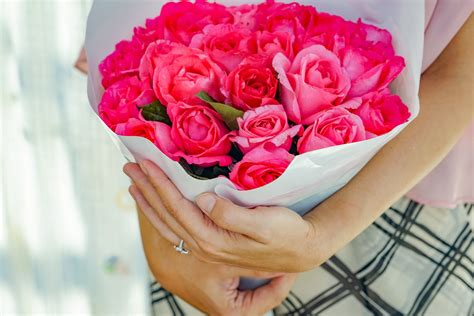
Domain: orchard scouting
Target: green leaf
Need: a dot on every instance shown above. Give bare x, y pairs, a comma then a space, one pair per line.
228, 113
155, 112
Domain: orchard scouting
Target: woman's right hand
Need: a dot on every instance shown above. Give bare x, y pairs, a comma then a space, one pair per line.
209, 287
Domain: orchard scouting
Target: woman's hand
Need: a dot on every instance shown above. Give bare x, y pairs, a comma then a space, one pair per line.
218, 231
209, 287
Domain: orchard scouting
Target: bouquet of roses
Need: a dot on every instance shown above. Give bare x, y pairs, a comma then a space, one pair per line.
267, 103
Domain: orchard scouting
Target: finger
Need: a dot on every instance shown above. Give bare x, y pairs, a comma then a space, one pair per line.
153, 199
154, 219
234, 218
269, 296
184, 211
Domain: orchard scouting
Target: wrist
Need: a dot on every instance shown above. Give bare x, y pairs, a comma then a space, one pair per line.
310, 252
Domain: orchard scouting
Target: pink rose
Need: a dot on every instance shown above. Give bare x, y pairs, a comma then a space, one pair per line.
244, 15
291, 18
153, 54
149, 33
267, 43
182, 73
250, 85
200, 135
366, 52
180, 21
314, 81
264, 124
368, 72
120, 101
226, 44
335, 126
156, 132
381, 112
122, 62
259, 167
138, 127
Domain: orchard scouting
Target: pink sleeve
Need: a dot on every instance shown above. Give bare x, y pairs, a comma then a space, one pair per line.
451, 182
444, 18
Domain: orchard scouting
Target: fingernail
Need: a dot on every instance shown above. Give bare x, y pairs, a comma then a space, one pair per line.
144, 169
206, 202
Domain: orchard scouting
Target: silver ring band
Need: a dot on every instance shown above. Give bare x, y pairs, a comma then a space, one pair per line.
180, 248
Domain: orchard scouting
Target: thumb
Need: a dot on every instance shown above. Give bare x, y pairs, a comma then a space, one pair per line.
230, 216
267, 297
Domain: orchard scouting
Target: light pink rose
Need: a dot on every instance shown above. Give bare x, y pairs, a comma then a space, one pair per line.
335, 126
264, 124
200, 135
269, 44
250, 85
120, 101
122, 62
259, 167
226, 44
180, 21
369, 74
366, 51
381, 112
314, 81
184, 72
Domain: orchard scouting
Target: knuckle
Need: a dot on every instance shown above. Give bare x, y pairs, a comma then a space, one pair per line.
221, 216
265, 234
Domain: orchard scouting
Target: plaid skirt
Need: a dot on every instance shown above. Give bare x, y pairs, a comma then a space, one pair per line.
413, 260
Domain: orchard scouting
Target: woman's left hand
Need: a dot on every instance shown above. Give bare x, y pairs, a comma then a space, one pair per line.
218, 231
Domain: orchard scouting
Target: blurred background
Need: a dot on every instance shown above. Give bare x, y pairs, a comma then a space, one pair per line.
69, 238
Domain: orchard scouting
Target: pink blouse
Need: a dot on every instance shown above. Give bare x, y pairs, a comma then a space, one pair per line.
452, 181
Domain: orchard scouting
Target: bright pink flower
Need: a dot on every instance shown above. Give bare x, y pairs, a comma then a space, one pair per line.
182, 73
180, 21
269, 44
335, 126
149, 33
381, 112
138, 127
264, 124
366, 51
122, 62
314, 81
259, 167
120, 101
250, 85
367, 73
200, 135
244, 15
226, 44
153, 54
291, 18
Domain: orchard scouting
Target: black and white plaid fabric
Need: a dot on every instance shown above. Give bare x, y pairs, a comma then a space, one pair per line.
413, 260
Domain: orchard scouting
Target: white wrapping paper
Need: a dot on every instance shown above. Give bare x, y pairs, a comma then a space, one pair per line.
311, 177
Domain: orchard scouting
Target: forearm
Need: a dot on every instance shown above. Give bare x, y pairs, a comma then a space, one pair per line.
446, 111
